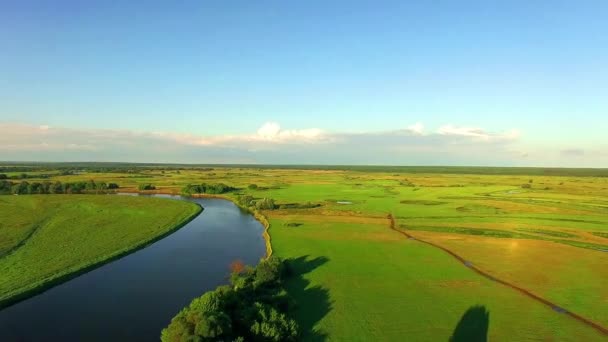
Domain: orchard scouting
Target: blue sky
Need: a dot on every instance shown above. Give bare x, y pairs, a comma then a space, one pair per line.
487, 82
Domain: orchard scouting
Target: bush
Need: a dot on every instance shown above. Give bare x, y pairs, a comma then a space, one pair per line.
252, 187
143, 187
265, 203
246, 200
526, 186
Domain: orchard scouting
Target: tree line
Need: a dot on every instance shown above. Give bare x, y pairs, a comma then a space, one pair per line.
269, 203
27, 188
25, 176
254, 307
204, 188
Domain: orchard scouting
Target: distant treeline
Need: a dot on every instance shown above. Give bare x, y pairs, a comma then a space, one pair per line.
27, 188
138, 167
204, 188
25, 176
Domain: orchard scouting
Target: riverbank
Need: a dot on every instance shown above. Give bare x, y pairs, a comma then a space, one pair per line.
254, 212
46, 256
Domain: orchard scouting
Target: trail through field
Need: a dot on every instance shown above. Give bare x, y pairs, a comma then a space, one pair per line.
523, 291
29, 235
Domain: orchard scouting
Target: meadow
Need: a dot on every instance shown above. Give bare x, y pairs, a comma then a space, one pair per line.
45, 239
543, 230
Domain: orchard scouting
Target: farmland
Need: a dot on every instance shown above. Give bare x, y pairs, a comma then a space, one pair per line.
542, 231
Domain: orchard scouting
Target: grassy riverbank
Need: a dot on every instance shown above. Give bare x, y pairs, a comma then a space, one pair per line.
46, 239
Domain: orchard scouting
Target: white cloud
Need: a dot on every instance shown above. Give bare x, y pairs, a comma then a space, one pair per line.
476, 133
271, 131
417, 128
269, 144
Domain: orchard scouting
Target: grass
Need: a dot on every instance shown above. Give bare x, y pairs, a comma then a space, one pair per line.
47, 238
370, 284
361, 281
572, 277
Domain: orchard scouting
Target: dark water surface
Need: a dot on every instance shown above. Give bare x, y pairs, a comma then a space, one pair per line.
133, 298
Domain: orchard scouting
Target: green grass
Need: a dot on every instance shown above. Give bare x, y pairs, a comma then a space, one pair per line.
44, 238
361, 281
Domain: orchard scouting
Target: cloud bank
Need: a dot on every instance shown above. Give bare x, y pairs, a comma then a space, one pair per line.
411, 145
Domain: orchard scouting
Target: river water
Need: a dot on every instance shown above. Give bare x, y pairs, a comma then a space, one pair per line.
133, 298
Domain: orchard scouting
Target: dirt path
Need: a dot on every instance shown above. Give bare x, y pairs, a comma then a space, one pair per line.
523, 291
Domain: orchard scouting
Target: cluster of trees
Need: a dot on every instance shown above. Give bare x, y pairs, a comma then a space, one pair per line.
254, 307
260, 204
204, 188
147, 186
269, 204
27, 188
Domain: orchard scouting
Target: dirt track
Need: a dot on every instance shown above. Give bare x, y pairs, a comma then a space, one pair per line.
523, 291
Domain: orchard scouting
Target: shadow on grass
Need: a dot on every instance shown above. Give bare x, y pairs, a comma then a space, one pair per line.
311, 302
473, 325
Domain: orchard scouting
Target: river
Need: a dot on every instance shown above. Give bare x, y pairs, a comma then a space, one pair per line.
136, 296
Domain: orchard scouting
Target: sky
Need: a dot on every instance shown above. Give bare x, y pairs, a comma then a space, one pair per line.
496, 83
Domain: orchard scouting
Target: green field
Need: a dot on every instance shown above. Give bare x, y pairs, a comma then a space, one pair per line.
543, 230
44, 238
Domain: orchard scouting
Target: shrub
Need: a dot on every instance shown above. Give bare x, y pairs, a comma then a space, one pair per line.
148, 186
265, 203
246, 200
526, 186
252, 186
307, 205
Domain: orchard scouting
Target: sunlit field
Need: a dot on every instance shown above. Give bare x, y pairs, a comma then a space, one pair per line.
543, 231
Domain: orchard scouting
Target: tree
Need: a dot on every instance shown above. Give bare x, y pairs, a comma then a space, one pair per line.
113, 186
5, 187
3, 176
237, 266
35, 188
204, 319
102, 186
271, 325
90, 185
241, 312
148, 186
268, 272
265, 203
21, 188
57, 188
